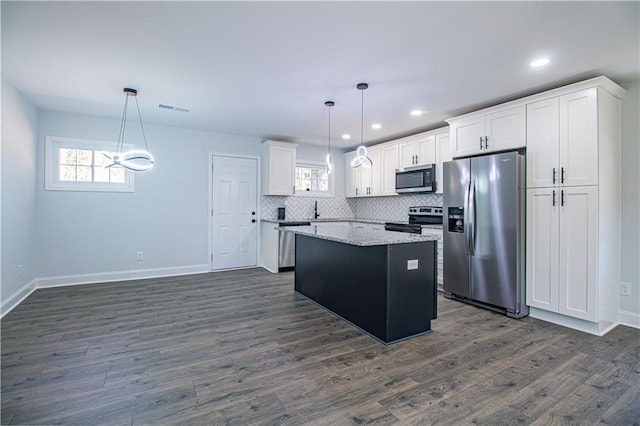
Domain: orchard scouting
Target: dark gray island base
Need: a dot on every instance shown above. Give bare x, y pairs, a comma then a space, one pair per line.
371, 286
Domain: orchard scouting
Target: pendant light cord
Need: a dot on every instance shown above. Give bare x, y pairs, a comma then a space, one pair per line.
329, 132
362, 117
123, 124
144, 136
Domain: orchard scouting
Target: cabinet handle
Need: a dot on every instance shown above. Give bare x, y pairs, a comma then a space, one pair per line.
294, 189
562, 197
416, 158
481, 142
554, 175
486, 143
356, 191
554, 198
561, 174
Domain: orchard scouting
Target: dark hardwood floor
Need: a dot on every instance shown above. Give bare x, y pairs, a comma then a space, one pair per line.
240, 348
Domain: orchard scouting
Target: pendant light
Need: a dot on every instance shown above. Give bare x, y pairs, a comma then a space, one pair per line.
362, 156
329, 104
137, 160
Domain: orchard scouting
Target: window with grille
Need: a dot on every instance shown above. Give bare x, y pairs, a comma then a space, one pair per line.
79, 165
312, 179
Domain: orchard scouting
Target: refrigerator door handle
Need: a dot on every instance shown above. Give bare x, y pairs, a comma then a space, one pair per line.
472, 218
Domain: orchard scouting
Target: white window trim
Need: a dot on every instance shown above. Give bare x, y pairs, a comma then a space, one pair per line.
329, 194
52, 181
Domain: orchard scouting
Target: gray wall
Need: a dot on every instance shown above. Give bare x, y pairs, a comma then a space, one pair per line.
167, 217
630, 257
19, 132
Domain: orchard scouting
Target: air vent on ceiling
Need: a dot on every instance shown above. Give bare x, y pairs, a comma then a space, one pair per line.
173, 108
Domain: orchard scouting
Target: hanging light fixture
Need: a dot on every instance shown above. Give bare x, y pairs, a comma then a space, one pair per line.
362, 156
329, 104
137, 160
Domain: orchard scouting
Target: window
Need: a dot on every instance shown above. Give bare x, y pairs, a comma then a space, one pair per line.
312, 179
79, 165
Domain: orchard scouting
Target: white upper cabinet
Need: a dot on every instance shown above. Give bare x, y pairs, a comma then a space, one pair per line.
351, 176
562, 140
579, 138
417, 150
543, 143
443, 154
430, 147
379, 179
384, 173
278, 168
488, 131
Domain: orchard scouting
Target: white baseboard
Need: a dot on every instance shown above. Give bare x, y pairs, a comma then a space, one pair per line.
105, 277
630, 319
17, 297
101, 277
598, 328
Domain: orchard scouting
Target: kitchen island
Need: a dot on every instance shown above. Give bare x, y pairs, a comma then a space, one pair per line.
382, 282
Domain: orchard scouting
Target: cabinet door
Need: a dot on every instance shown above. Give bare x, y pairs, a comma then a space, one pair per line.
352, 176
466, 136
426, 150
505, 129
443, 154
387, 170
542, 248
282, 169
407, 152
578, 252
371, 177
543, 140
579, 137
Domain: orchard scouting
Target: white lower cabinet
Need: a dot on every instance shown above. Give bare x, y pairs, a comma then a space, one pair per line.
565, 259
269, 246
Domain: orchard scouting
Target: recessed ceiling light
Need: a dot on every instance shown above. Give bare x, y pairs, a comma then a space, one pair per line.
376, 126
346, 136
417, 113
539, 63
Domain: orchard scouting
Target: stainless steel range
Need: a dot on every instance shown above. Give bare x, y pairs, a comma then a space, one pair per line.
418, 217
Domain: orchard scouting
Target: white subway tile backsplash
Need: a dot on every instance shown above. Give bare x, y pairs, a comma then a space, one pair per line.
393, 208
303, 207
376, 208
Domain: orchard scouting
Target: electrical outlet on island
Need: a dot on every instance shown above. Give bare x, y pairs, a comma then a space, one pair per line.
139, 256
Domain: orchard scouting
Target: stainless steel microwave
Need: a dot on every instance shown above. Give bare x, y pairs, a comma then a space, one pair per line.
416, 179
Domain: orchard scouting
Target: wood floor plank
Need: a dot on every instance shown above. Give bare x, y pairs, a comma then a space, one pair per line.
240, 347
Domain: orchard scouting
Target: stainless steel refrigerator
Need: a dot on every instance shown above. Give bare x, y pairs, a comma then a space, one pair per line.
484, 202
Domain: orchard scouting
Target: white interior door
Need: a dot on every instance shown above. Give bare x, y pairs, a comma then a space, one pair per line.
234, 216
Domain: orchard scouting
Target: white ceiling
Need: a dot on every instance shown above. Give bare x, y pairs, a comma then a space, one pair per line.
265, 69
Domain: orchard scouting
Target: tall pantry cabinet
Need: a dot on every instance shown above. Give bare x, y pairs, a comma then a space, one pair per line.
573, 205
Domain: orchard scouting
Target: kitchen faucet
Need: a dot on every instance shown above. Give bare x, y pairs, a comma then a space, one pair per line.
315, 210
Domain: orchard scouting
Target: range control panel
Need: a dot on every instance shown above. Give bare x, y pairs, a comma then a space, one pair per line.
425, 211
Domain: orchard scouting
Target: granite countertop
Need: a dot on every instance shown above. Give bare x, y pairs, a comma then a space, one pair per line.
344, 233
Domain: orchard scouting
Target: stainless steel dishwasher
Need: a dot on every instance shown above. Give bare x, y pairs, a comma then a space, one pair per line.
287, 247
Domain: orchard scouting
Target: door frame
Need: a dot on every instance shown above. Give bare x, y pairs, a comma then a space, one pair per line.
210, 212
